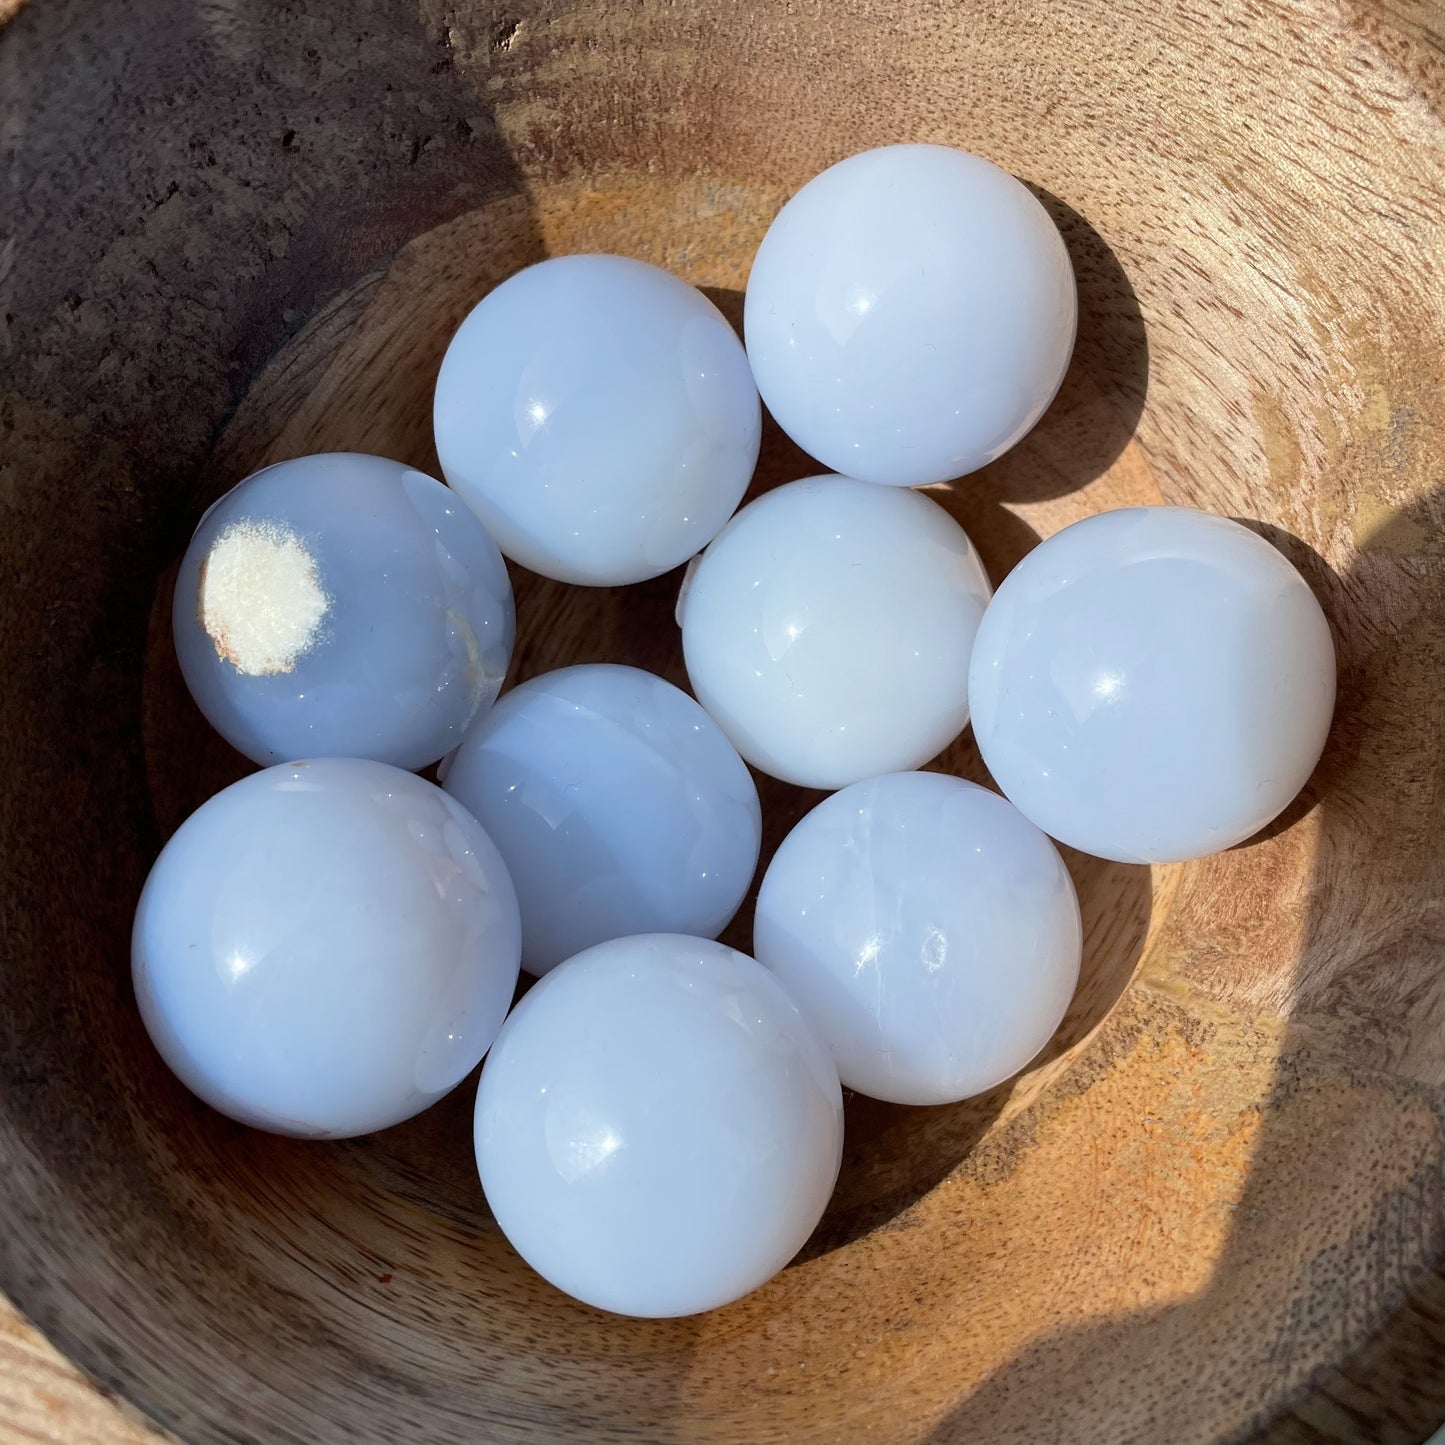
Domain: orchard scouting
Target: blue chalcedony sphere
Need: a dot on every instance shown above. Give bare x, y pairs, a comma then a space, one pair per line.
342, 605
599, 415
1152, 684
928, 929
619, 807
659, 1127
326, 947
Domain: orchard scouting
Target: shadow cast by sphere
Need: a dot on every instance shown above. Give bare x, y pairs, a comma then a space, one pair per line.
1001, 537
1329, 591
1096, 411
1090, 422
1115, 909
894, 1154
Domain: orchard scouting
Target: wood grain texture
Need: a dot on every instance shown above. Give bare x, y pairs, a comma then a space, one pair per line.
1215, 1209
43, 1397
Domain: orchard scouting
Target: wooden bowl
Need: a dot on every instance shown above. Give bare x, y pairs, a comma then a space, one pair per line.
1214, 1210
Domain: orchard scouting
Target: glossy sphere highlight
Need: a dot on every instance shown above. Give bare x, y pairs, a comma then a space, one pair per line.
618, 805
599, 415
342, 606
828, 630
928, 929
1153, 684
910, 314
658, 1128
325, 948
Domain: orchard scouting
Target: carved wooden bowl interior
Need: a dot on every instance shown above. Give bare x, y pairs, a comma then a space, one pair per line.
236, 232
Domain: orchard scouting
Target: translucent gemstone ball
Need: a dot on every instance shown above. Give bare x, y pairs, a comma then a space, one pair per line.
1152, 684
342, 606
599, 415
910, 314
928, 929
828, 630
658, 1128
326, 947
618, 805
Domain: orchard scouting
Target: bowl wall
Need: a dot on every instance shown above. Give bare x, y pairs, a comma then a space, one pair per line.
1214, 1207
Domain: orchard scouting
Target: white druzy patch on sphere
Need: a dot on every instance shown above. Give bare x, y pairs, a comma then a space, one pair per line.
342, 605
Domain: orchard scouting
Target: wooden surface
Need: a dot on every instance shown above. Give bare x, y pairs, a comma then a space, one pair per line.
44, 1397
1216, 1209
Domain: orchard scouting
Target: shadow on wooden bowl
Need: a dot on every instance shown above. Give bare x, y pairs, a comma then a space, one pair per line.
1214, 1209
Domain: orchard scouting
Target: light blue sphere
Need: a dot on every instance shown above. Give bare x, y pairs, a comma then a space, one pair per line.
618, 805
828, 630
659, 1126
326, 947
927, 929
910, 314
342, 605
1152, 684
599, 415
